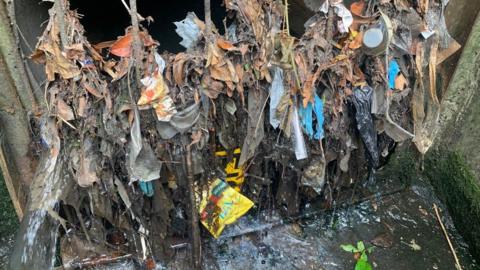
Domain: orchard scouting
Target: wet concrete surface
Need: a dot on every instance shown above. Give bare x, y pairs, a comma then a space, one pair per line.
403, 226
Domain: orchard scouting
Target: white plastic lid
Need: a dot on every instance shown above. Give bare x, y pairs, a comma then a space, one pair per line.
373, 37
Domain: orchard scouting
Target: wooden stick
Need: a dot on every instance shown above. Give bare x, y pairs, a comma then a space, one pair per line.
13, 189
208, 19
60, 12
140, 17
287, 21
97, 261
457, 261
137, 45
195, 230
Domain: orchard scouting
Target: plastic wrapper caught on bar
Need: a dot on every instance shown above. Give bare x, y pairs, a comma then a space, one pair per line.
297, 138
223, 205
362, 100
189, 30
277, 90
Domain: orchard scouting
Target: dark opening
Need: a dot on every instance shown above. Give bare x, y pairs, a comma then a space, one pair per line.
106, 20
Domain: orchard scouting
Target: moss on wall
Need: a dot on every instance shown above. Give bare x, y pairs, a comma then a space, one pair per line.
402, 166
456, 184
9, 221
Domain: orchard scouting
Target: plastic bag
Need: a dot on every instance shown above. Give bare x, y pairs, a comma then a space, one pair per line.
222, 206
362, 100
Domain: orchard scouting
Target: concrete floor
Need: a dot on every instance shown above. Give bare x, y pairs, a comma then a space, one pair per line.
403, 226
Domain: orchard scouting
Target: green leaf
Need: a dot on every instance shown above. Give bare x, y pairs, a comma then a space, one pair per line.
360, 246
364, 256
363, 265
370, 249
349, 248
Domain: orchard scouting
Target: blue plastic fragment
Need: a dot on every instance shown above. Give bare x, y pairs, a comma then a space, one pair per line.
318, 108
147, 188
306, 116
393, 70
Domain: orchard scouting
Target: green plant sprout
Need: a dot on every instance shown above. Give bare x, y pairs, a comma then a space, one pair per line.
360, 254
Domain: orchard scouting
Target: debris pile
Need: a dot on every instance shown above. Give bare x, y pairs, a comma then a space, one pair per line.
251, 119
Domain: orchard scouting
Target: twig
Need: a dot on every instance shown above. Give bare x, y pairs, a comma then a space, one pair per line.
96, 261
264, 180
457, 261
66, 122
25, 41
82, 224
263, 109
290, 52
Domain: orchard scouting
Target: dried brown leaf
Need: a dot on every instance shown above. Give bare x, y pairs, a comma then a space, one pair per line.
196, 137
453, 47
244, 48
57, 63
212, 88
308, 87
356, 42
104, 45
75, 51
178, 71
357, 7
226, 45
92, 90
401, 82
64, 111
82, 104
87, 174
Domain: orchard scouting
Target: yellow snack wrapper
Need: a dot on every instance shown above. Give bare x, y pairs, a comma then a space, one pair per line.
222, 206
235, 174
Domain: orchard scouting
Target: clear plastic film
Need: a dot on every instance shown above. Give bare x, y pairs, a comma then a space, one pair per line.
298, 140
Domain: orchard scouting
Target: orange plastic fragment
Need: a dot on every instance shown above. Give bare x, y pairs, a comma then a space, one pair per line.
123, 46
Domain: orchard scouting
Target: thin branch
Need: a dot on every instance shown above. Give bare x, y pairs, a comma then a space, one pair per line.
457, 261
66, 122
